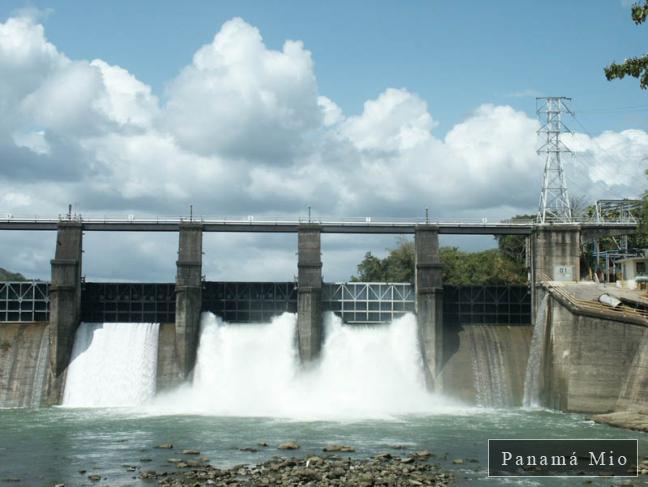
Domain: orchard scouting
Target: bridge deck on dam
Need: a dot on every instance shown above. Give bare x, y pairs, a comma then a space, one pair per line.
249, 302
348, 225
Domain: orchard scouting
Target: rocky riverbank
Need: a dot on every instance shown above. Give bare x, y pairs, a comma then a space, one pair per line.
383, 469
632, 420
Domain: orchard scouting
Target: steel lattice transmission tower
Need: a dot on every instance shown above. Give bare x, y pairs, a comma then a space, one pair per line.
554, 200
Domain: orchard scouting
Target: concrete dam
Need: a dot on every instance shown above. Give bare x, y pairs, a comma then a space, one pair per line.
406, 346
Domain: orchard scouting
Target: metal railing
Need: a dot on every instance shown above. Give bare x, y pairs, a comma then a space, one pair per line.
625, 216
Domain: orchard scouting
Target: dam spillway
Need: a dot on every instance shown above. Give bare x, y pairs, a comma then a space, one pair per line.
113, 364
355, 304
254, 370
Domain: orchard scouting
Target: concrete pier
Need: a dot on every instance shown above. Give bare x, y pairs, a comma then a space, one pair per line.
556, 252
65, 304
188, 296
309, 292
429, 301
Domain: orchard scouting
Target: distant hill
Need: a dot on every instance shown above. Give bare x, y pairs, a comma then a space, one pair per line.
5, 275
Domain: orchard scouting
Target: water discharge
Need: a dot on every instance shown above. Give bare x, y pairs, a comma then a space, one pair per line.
533, 376
113, 364
254, 370
491, 377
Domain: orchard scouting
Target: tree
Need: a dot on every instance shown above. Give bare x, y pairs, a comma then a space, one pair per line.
636, 67
514, 246
398, 266
6, 275
459, 267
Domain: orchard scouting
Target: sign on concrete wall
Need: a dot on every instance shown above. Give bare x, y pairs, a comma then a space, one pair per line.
563, 273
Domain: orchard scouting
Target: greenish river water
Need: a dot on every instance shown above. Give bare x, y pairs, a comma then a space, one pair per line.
40, 447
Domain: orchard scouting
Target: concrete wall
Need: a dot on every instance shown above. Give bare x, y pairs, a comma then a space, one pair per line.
65, 304
24, 363
486, 364
588, 360
429, 302
169, 373
555, 246
309, 292
188, 295
634, 391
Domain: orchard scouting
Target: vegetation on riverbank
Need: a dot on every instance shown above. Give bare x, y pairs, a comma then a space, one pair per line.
6, 275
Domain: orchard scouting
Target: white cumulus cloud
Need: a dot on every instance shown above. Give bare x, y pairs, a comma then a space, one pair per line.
244, 130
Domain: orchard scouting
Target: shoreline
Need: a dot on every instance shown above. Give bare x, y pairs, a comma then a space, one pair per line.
330, 470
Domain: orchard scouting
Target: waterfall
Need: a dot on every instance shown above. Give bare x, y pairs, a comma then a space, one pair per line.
535, 364
113, 364
491, 376
40, 371
254, 370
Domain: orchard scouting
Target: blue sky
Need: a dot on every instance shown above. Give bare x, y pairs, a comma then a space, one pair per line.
455, 55
264, 108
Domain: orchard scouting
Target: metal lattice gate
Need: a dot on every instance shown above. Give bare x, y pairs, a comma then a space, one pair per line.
24, 301
368, 302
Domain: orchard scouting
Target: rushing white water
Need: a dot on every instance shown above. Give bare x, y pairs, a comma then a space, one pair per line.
533, 375
491, 379
254, 370
113, 364
40, 371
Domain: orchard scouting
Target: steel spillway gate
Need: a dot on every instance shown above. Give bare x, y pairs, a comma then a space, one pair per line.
128, 303
368, 302
249, 302
487, 304
24, 301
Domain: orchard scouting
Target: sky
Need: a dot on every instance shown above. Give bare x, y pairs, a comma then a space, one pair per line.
265, 108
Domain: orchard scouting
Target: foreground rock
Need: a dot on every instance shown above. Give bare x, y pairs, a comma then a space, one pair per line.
328, 471
632, 420
289, 445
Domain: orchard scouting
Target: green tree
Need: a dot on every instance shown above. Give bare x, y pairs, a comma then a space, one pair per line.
6, 275
459, 267
636, 67
514, 246
371, 269
398, 266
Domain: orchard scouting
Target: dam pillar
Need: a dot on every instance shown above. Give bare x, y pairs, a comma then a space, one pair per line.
429, 301
556, 252
309, 292
65, 304
555, 256
188, 296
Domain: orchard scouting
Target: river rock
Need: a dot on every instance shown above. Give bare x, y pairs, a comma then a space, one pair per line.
190, 452
311, 471
94, 478
458, 461
338, 448
165, 446
289, 445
